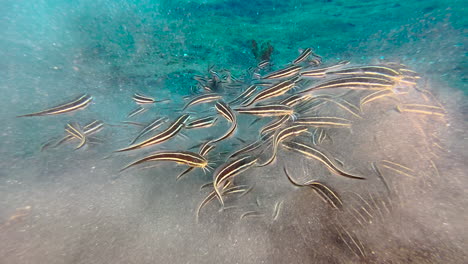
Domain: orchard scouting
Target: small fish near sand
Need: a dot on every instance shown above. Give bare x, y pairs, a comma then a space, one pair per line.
317, 154
182, 157
71, 128
164, 135
225, 173
267, 112
78, 103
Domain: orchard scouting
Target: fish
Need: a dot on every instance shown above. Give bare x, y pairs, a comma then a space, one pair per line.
166, 134
205, 98
207, 88
312, 102
377, 71
265, 138
205, 148
133, 123
80, 102
319, 155
303, 56
376, 169
321, 136
374, 96
323, 121
356, 83
408, 81
227, 171
421, 109
295, 99
266, 110
368, 70
315, 61
226, 111
277, 209
284, 73
182, 157
318, 101
274, 124
396, 167
351, 241
264, 83
230, 79
263, 64
74, 130
230, 116
245, 94
251, 214
89, 129
395, 73
282, 134
189, 169
142, 99
321, 72
150, 127
409, 73
202, 122
137, 111
322, 190
200, 78
93, 127
276, 90
345, 105
227, 189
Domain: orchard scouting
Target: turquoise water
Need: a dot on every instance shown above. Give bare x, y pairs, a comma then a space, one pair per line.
63, 205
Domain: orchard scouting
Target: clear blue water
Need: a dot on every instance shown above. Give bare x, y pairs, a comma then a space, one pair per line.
73, 206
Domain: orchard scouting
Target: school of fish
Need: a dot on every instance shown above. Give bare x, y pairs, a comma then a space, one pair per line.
290, 98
